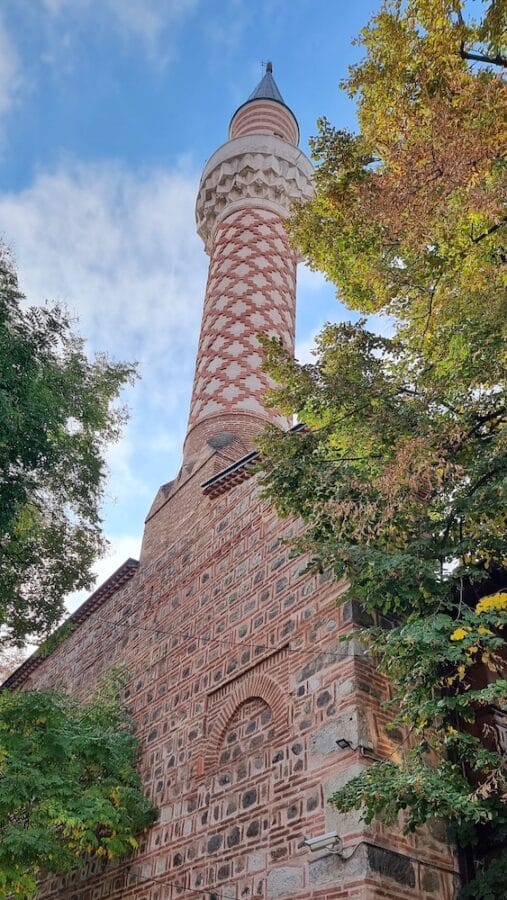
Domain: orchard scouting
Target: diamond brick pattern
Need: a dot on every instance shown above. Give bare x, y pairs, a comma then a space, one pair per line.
250, 291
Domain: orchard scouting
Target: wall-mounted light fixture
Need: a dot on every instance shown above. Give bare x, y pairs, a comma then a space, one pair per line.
344, 743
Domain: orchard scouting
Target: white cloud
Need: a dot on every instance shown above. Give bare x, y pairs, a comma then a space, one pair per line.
382, 325
123, 477
121, 250
10, 75
304, 348
225, 28
310, 281
147, 21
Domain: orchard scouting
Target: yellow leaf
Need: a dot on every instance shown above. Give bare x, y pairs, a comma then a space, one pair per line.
493, 601
459, 634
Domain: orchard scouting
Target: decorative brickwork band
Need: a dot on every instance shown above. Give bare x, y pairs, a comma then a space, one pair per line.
265, 117
255, 171
260, 687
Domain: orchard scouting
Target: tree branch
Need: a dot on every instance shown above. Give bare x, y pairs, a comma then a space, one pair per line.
489, 231
497, 60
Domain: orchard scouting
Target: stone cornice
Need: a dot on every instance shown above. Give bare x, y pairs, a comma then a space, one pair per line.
257, 170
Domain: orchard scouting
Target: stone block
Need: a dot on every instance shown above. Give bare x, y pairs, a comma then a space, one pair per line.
430, 881
323, 742
353, 726
256, 861
342, 823
284, 881
438, 829
393, 865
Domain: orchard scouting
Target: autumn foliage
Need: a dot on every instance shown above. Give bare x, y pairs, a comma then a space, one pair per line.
400, 478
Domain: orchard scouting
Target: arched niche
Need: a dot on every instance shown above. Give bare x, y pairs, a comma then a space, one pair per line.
254, 698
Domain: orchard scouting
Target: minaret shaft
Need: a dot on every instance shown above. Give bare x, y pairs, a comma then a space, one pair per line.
250, 291
246, 193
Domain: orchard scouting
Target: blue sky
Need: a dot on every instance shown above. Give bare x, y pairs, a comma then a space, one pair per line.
108, 112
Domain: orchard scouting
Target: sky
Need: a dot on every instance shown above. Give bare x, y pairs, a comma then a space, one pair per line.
108, 112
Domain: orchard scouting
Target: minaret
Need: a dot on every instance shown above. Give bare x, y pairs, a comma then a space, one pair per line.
246, 191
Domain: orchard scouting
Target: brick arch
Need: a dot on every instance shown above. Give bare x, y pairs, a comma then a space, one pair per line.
260, 687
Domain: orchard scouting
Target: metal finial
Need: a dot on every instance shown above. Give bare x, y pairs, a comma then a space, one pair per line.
269, 67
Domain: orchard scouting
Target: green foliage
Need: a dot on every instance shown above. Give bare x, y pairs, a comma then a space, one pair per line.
422, 789
56, 638
408, 217
489, 884
57, 415
68, 786
400, 479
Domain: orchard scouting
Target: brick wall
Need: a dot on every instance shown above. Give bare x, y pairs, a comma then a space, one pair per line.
240, 690
238, 684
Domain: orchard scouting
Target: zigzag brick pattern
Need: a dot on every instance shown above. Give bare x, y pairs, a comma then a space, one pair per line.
256, 171
251, 289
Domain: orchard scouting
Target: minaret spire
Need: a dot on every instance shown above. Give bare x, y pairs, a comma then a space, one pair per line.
267, 89
276, 119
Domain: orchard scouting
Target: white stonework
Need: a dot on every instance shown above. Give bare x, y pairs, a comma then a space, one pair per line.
281, 172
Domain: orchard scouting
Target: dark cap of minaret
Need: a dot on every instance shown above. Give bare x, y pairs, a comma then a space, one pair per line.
267, 88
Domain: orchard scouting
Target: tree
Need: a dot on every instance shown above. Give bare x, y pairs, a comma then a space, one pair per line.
400, 478
57, 414
10, 659
68, 786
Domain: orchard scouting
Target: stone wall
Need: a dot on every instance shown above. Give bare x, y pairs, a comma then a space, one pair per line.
240, 689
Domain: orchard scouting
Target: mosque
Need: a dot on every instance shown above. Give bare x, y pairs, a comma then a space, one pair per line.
249, 711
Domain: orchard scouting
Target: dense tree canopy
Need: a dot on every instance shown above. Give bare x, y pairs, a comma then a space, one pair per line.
68, 786
401, 477
57, 414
